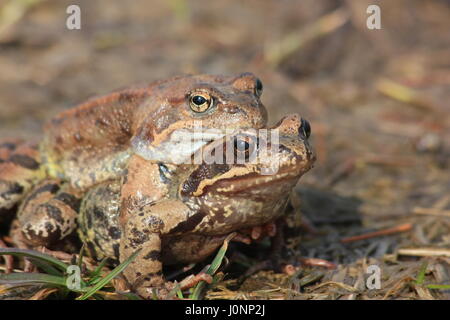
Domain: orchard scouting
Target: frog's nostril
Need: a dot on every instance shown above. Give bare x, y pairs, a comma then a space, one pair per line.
305, 128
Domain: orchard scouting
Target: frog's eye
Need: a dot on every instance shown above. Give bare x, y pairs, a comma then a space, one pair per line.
200, 102
245, 146
305, 128
258, 88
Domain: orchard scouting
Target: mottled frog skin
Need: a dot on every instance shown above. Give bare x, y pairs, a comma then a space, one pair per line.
126, 133
205, 202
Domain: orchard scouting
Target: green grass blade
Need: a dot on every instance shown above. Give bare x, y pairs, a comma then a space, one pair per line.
47, 268
212, 268
26, 278
129, 295
99, 268
109, 277
421, 276
439, 286
180, 294
34, 255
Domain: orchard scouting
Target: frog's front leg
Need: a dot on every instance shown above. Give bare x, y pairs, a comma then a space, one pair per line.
144, 182
48, 213
20, 169
143, 230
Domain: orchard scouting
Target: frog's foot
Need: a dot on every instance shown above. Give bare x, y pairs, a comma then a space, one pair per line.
256, 233
277, 244
48, 214
192, 280
167, 290
20, 169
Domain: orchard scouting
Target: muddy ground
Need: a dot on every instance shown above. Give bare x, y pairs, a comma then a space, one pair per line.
377, 100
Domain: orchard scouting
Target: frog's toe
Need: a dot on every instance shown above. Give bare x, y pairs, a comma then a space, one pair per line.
192, 280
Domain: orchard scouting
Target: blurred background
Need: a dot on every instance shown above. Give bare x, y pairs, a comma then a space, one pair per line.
378, 100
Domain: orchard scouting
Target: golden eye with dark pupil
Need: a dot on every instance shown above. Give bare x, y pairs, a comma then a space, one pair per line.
200, 102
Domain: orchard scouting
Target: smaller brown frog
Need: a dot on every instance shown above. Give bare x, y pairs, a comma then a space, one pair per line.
205, 203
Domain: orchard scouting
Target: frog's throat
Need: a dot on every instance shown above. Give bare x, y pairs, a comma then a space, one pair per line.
178, 149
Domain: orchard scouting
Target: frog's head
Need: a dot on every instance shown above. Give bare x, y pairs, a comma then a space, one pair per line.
178, 107
236, 195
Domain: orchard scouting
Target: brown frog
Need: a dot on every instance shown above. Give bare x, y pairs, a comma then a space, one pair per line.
206, 202
126, 133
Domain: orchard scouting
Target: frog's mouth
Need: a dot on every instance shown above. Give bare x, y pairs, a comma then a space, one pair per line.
251, 182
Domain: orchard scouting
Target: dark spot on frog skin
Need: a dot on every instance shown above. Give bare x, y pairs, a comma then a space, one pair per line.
8, 145
53, 213
52, 234
139, 238
24, 161
12, 188
188, 224
97, 243
116, 247
155, 224
91, 248
154, 255
126, 97
98, 213
114, 232
89, 221
204, 171
50, 187
153, 275
69, 200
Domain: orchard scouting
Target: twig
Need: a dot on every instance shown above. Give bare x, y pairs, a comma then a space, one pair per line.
397, 287
431, 211
337, 284
404, 94
12, 11
315, 262
397, 229
278, 52
387, 160
424, 252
